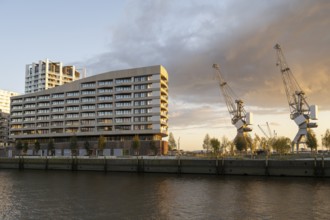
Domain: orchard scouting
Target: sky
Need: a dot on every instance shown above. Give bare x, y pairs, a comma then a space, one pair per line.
186, 37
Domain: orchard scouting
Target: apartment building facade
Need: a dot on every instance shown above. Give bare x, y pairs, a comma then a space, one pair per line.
5, 100
4, 129
47, 74
117, 105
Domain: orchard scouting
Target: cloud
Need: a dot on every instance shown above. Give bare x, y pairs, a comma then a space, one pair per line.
187, 37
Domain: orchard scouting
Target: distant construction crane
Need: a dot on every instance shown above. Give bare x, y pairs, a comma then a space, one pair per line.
300, 111
239, 117
270, 133
262, 130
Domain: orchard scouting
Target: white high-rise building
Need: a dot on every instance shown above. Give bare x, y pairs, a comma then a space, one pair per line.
47, 74
5, 100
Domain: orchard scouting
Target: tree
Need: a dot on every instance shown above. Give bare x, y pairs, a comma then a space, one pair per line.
242, 143
73, 144
19, 145
255, 143
87, 147
311, 140
225, 143
326, 139
282, 145
101, 143
136, 144
50, 147
25, 147
153, 147
36, 146
206, 143
215, 144
171, 142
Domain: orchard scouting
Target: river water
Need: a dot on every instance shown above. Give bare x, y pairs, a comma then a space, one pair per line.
98, 195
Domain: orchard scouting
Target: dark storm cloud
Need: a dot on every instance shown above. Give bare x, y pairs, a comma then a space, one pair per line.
187, 37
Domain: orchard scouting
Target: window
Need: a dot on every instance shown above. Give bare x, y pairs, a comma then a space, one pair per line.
105, 83
30, 99
43, 104
122, 127
42, 124
57, 116
44, 97
31, 112
122, 120
41, 118
57, 123
104, 90
88, 100
142, 102
143, 127
75, 93
17, 114
17, 120
58, 95
85, 107
104, 113
123, 96
74, 115
57, 109
86, 129
142, 110
88, 122
105, 105
72, 108
57, 102
88, 92
88, 85
43, 111
142, 86
17, 100
123, 112
141, 78
142, 94
104, 120
74, 123
123, 80
71, 101
30, 106
142, 119
122, 88
88, 114
121, 104
105, 98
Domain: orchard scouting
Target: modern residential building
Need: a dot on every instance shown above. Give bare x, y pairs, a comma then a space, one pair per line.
117, 105
5, 100
47, 74
4, 129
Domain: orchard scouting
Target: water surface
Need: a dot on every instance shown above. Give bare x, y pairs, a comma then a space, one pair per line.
98, 195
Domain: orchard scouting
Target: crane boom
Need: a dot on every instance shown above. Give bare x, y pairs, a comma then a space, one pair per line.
295, 95
239, 117
300, 111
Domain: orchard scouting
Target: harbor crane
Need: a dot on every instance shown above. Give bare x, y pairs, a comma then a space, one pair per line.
300, 111
239, 117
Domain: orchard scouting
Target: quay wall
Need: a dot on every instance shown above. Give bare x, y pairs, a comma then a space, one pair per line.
305, 168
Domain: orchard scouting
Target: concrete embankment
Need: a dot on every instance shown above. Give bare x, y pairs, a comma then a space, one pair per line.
309, 167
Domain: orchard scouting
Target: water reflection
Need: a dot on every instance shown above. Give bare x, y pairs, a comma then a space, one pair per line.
93, 195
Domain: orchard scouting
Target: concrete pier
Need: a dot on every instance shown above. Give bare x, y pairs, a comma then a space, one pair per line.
307, 167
